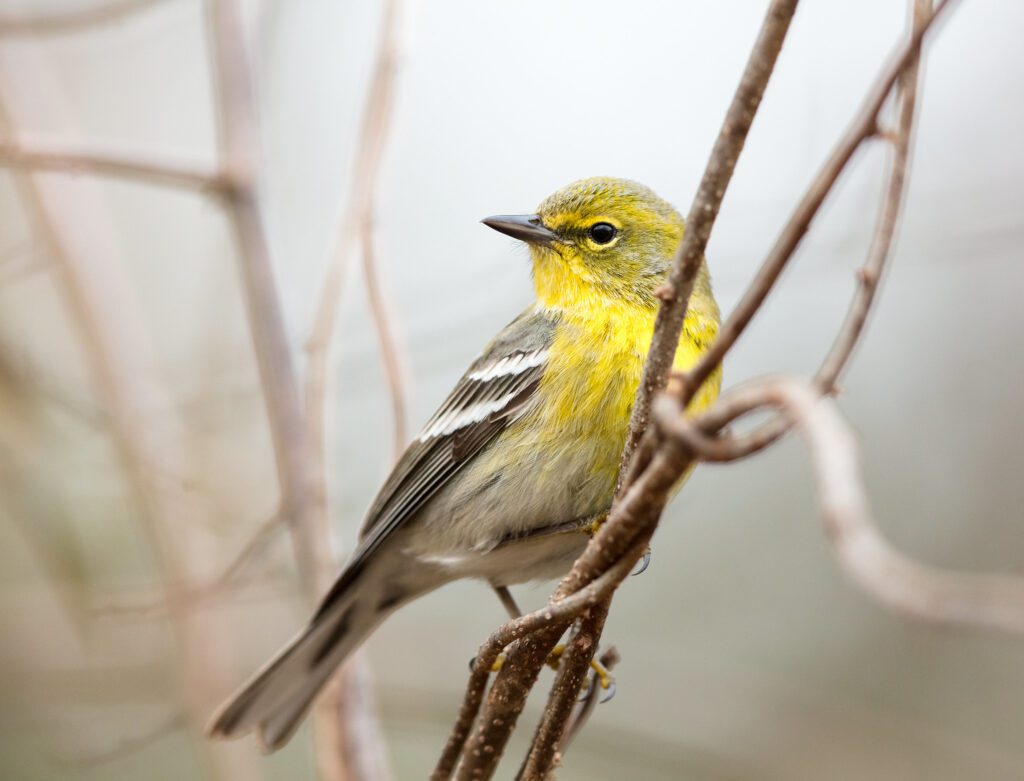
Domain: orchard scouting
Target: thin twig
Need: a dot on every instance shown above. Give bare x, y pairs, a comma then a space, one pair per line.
114, 343
553, 614
868, 277
863, 127
73, 21
373, 135
390, 354
213, 589
346, 725
609, 659
703, 213
930, 594
572, 672
148, 168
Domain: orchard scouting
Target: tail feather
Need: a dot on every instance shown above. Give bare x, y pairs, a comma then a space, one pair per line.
276, 699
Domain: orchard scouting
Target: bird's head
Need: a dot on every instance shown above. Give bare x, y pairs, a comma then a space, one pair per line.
599, 240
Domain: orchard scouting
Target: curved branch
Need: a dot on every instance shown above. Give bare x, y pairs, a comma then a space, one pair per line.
931, 594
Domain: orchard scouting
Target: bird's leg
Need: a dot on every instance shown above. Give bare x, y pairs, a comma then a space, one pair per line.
508, 601
604, 676
510, 605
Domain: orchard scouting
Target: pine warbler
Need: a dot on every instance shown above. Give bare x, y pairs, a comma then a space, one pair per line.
506, 478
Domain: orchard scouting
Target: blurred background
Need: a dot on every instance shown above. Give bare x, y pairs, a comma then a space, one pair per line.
746, 655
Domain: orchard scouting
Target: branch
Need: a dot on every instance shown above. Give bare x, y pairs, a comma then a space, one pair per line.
114, 344
270, 339
72, 21
390, 353
143, 169
930, 594
868, 277
863, 127
555, 613
357, 219
704, 212
573, 668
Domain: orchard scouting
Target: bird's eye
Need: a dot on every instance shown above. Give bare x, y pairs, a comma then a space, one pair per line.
602, 232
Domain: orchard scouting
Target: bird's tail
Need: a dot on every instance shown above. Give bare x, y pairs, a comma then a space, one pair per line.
276, 699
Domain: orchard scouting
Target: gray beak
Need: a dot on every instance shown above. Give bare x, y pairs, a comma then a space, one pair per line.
525, 227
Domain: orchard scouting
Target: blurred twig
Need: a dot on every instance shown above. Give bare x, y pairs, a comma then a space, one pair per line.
114, 345
148, 168
72, 21
348, 728
356, 223
930, 594
390, 355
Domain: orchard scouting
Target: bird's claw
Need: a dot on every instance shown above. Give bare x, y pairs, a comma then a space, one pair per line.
643, 564
606, 684
495, 666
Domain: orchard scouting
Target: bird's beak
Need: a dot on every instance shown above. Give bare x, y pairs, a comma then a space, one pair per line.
526, 227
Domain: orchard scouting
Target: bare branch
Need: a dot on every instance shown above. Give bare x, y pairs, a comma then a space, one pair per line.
572, 671
148, 168
73, 21
213, 589
863, 127
930, 594
868, 277
270, 339
641, 504
703, 213
383, 320
554, 614
376, 122
114, 343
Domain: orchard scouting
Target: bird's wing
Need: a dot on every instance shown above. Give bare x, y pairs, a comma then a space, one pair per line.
495, 391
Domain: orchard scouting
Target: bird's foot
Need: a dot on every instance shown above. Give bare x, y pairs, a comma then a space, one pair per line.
495, 666
602, 674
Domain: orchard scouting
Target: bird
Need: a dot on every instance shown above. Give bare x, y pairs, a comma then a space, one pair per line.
505, 482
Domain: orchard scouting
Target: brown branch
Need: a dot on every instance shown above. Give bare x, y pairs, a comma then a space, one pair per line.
147, 169
703, 213
346, 726
559, 612
609, 659
930, 594
868, 277
301, 483
73, 21
863, 127
573, 669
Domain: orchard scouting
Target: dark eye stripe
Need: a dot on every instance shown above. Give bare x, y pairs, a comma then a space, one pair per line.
602, 232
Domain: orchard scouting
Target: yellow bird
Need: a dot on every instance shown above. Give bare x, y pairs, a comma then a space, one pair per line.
505, 481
